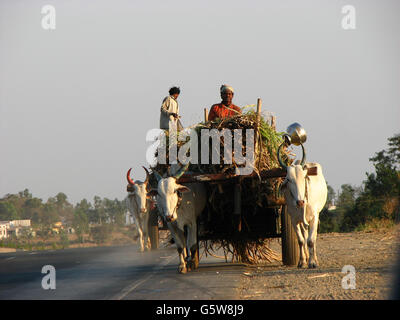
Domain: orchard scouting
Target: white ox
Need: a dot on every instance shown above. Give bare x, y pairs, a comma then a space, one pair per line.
305, 197
181, 205
139, 204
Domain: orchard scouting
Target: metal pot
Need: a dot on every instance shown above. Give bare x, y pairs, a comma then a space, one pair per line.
295, 134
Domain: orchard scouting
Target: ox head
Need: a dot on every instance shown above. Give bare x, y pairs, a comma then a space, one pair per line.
294, 187
137, 191
169, 194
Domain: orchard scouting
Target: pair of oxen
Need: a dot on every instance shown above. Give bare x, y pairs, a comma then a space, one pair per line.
179, 205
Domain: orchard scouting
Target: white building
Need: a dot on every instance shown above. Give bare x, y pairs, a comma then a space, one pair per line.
129, 219
14, 227
4, 226
20, 223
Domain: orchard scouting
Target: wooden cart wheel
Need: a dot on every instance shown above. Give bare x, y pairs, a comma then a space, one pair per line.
153, 230
290, 246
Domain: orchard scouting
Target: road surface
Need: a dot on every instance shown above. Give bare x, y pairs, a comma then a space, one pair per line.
122, 273
115, 273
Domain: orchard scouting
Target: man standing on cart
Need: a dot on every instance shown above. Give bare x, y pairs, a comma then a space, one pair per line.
226, 108
169, 117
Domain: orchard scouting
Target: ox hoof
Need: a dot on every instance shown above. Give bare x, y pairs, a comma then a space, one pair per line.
312, 265
182, 269
302, 264
192, 265
195, 264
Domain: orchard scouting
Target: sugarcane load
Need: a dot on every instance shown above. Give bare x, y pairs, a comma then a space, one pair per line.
224, 184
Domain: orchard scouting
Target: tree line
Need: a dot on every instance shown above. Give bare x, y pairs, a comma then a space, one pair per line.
375, 203
44, 214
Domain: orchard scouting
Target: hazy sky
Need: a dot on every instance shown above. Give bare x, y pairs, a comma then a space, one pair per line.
76, 102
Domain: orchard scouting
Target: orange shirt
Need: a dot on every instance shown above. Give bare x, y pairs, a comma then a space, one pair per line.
221, 111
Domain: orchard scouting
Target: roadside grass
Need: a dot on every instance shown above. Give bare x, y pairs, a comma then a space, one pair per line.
377, 225
119, 236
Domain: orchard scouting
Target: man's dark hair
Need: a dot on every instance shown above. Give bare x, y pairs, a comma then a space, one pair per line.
174, 90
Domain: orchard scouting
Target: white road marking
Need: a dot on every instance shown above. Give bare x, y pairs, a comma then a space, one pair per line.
10, 258
321, 276
128, 289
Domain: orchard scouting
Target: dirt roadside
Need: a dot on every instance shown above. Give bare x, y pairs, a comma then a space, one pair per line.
373, 255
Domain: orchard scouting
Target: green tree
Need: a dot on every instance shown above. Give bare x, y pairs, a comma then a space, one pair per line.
328, 221
32, 209
331, 196
345, 207
386, 181
81, 218
25, 194
379, 198
16, 200
99, 214
49, 213
115, 210
64, 209
64, 241
8, 211
61, 200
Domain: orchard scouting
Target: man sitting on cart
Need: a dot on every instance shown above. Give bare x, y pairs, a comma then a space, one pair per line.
226, 108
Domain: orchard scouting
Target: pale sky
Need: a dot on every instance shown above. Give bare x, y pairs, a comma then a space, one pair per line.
76, 102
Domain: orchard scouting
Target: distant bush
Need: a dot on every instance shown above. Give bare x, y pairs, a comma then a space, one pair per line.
64, 241
376, 224
329, 221
131, 232
102, 233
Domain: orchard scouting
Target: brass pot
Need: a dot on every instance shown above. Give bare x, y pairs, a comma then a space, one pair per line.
295, 134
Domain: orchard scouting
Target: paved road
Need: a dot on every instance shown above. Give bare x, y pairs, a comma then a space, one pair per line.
115, 273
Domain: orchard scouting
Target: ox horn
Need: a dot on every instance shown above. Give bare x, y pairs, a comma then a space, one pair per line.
147, 175
128, 177
181, 171
303, 159
284, 166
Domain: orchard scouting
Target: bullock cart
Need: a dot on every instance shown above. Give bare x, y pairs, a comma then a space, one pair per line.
241, 222
245, 222
244, 211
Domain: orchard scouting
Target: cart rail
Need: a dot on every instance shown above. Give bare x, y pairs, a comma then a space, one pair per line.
266, 174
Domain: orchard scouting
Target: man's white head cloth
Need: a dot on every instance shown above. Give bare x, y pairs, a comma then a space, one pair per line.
225, 87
